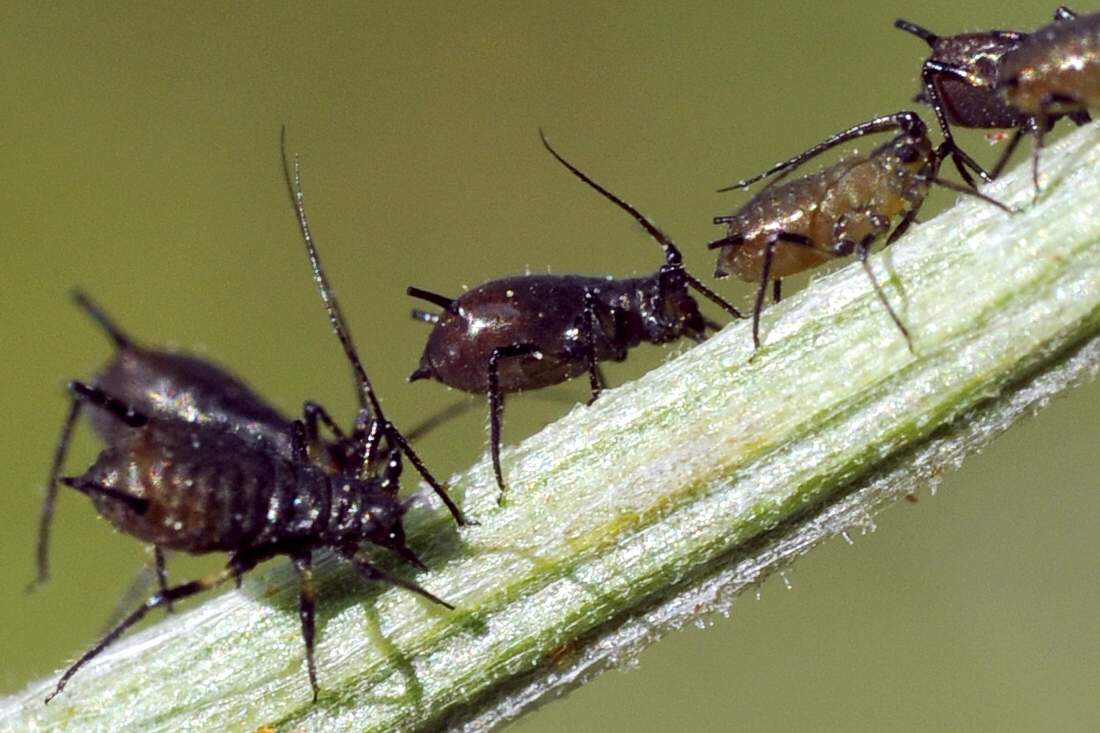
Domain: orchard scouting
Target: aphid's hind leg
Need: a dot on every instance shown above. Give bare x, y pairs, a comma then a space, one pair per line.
372, 573
48, 503
303, 562
179, 592
496, 403
777, 290
588, 337
765, 275
159, 566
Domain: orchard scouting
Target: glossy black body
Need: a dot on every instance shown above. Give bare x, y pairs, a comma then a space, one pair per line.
215, 483
961, 81
532, 331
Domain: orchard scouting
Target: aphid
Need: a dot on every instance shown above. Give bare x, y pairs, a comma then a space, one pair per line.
200, 487
790, 227
960, 82
1055, 71
530, 331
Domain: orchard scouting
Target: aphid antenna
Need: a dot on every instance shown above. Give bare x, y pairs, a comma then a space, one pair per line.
673, 258
907, 122
922, 33
367, 397
89, 306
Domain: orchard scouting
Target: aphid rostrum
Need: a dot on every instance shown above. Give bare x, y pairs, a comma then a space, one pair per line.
531, 331
790, 227
1055, 71
199, 488
960, 82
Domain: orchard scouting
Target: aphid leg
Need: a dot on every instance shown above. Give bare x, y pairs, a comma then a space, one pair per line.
159, 599
1038, 131
91, 488
398, 440
372, 573
862, 250
315, 416
114, 407
588, 337
162, 574
929, 72
1010, 148
765, 275
303, 561
391, 472
50, 500
1064, 13
496, 403
777, 290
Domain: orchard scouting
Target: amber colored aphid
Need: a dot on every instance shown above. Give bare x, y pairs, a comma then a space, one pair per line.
199, 487
960, 82
790, 227
1055, 71
531, 331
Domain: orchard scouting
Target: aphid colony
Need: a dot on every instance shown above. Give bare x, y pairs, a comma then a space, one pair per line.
195, 461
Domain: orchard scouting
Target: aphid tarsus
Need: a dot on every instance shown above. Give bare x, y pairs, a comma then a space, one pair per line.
531, 331
844, 209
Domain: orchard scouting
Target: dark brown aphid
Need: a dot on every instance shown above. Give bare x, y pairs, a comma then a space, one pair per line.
202, 487
531, 331
790, 227
1054, 72
960, 82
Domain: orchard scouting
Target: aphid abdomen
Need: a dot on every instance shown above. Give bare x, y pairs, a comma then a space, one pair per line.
1056, 70
207, 490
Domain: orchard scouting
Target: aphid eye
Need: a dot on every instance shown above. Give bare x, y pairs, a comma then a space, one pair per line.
907, 153
986, 67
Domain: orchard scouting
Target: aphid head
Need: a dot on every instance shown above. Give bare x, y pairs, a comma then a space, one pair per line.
677, 313
382, 522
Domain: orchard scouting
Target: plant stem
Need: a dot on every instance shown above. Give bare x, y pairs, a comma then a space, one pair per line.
661, 501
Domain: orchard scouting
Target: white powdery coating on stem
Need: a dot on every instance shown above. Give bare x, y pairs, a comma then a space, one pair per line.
661, 501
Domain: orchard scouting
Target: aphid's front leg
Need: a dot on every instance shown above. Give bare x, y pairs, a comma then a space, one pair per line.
929, 72
857, 232
496, 402
315, 416
303, 561
50, 500
777, 290
1010, 148
372, 573
588, 339
862, 250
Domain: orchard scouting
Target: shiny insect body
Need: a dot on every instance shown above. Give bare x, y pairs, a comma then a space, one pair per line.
1054, 72
844, 209
202, 487
531, 331
960, 82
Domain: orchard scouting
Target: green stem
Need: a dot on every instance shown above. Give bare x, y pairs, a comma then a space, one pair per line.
660, 502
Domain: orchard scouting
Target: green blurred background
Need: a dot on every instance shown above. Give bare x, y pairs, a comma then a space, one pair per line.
141, 162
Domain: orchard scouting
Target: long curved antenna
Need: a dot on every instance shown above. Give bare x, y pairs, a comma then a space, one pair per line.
922, 33
368, 400
365, 391
120, 339
870, 127
672, 254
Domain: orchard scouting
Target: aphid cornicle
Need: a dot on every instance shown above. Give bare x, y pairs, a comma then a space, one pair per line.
960, 82
844, 209
200, 487
530, 331
1055, 71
